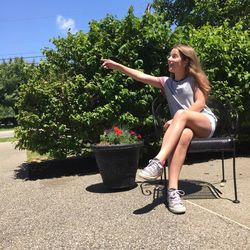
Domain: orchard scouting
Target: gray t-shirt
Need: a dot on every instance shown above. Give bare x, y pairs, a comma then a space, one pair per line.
180, 94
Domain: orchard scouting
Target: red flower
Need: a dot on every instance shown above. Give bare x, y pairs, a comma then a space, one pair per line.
139, 136
132, 132
117, 131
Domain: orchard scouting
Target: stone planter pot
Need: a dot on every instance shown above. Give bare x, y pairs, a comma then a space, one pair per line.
118, 164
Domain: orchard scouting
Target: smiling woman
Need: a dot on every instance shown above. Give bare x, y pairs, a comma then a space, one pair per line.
186, 91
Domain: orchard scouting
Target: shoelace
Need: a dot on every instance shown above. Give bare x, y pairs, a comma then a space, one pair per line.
153, 165
175, 196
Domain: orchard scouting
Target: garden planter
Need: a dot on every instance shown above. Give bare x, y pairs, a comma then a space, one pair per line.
118, 164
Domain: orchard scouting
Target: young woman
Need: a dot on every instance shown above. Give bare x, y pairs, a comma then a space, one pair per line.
186, 91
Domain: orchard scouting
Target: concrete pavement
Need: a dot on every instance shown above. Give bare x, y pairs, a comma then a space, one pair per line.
77, 212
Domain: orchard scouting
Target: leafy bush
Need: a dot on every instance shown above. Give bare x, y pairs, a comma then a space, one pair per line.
70, 99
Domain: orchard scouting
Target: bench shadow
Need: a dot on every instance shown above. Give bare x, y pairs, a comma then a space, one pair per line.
193, 190
48, 169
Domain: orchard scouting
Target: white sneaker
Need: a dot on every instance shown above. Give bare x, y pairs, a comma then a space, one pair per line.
153, 170
175, 204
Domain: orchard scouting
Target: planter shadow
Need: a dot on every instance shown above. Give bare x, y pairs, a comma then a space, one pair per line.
57, 168
100, 188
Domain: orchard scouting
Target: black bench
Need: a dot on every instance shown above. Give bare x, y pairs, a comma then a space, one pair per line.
223, 140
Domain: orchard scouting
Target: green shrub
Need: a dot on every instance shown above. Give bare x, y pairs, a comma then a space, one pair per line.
70, 99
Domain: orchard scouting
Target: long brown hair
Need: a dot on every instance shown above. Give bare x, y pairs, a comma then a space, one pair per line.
193, 67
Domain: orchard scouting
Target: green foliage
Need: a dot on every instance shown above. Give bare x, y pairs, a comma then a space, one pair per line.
70, 99
177, 12
201, 12
12, 74
6, 112
215, 12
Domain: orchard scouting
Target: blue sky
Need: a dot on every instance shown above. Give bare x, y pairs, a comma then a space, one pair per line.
28, 25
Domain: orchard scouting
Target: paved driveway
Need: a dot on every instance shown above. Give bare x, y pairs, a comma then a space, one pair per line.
77, 212
7, 134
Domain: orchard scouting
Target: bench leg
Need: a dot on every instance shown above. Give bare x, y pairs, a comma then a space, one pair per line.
223, 168
165, 183
234, 176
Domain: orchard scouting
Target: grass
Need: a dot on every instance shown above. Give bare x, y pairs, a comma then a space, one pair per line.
8, 139
6, 129
31, 156
34, 156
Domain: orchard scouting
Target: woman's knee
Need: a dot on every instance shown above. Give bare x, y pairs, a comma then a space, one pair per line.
180, 114
186, 137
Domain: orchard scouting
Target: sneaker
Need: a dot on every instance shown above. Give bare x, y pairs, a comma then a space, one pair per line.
175, 204
153, 170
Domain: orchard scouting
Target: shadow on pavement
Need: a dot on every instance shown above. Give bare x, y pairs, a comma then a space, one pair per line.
102, 189
193, 190
57, 168
149, 207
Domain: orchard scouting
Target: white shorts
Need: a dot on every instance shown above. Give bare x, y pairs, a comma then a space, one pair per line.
213, 123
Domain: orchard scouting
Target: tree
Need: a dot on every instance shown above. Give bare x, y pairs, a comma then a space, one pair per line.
12, 74
200, 12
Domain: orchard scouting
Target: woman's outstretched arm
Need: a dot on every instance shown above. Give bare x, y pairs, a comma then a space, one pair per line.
135, 74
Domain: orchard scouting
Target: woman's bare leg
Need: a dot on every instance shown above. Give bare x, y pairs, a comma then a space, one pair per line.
197, 122
177, 159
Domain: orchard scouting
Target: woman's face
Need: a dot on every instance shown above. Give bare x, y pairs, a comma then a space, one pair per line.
175, 63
